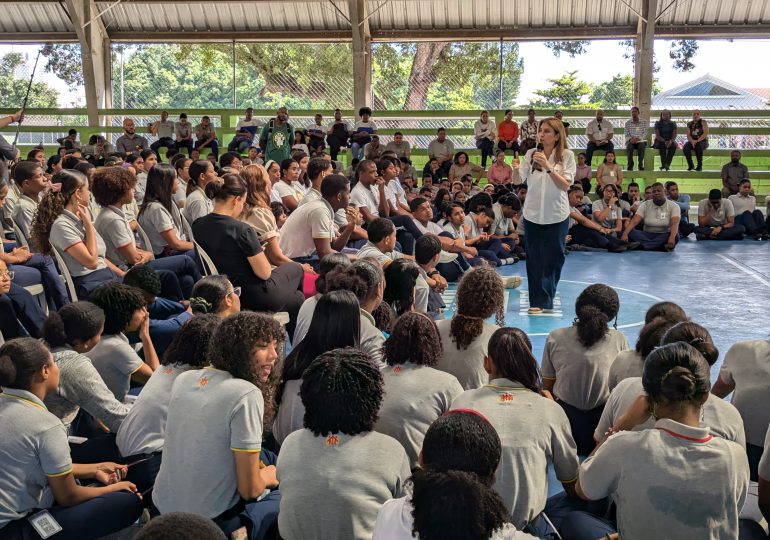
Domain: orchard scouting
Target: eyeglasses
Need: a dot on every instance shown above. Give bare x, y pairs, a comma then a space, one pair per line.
236, 291
8, 273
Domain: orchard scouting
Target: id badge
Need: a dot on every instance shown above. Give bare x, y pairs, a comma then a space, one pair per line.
44, 524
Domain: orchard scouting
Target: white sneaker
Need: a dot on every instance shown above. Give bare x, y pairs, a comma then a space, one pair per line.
511, 282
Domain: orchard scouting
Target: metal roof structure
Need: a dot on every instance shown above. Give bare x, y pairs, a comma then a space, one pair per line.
388, 20
709, 92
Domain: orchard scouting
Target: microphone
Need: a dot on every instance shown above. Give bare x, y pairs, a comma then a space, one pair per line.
539, 148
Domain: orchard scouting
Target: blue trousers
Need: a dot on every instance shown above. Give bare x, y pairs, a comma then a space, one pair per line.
185, 270
28, 316
493, 251
650, 241
40, 269
733, 233
545, 246
84, 285
214, 145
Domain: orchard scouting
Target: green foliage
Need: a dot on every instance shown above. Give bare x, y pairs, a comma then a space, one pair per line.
566, 92
13, 88
572, 48
619, 92
65, 62
682, 52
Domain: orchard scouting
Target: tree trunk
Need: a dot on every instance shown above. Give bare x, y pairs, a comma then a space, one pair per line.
423, 74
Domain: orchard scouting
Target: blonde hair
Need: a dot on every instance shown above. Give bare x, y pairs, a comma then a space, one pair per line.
258, 186
561, 144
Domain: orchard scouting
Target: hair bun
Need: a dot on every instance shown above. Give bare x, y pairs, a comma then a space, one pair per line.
679, 384
200, 305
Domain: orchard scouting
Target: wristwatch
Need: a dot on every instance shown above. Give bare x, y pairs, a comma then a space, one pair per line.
433, 273
548, 171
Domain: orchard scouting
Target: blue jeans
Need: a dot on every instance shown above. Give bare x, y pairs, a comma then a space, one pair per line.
167, 142
239, 144
545, 246
753, 222
357, 150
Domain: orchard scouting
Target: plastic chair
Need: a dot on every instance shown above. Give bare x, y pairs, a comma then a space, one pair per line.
145, 240
65, 273
209, 268
187, 228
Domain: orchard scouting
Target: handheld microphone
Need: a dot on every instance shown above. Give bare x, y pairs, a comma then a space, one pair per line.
539, 148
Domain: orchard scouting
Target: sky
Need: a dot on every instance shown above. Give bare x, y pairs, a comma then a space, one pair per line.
734, 62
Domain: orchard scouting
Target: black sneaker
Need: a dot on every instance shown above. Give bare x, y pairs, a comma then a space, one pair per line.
699, 168
616, 249
641, 168
690, 168
633, 246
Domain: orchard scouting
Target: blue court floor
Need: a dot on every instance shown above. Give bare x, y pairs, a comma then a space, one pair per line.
725, 286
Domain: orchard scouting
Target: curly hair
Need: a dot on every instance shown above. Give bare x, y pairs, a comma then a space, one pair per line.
110, 184
414, 338
180, 525
76, 321
232, 345
190, 345
119, 303
595, 307
400, 281
342, 391
144, 278
52, 205
361, 278
480, 294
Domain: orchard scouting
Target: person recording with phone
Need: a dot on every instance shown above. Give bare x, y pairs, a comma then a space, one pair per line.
548, 171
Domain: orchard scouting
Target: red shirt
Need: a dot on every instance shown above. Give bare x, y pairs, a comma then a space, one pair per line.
508, 131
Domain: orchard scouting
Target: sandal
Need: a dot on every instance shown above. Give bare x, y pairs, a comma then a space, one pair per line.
535, 311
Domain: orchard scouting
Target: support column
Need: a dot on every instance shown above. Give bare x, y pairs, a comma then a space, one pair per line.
362, 53
95, 56
645, 43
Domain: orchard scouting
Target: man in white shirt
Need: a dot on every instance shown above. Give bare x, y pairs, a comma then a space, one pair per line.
316, 132
746, 212
163, 129
600, 133
716, 219
244, 132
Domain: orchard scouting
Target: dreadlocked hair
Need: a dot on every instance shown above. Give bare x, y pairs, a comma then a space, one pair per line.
342, 391
480, 295
52, 205
596, 306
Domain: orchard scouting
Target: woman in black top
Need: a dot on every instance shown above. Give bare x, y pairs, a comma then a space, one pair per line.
235, 250
665, 139
697, 139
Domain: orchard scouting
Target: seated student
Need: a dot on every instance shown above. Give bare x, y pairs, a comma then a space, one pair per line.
427, 255
142, 432
31, 182
198, 204
235, 250
416, 394
181, 165
20, 313
405, 289
506, 208
533, 428
63, 221
332, 261
212, 475
583, 172
70, 333
746, 212
37, 470
683, 202
607, 211
459, 457
461, 166
388, 170
454, 224
490, 248
577, 360
716, 219
113, 188
160, 217
722, 418
288, 190
587, 232
705, 478
660, 219
310, 232
609, 172
217, 296
182, 524
381, 245
764, 481
744, 373
336, 323
342, 391
116, 361
632, 196
465, 336
230, 162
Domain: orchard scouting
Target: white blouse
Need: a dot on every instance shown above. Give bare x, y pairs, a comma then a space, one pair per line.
546, 203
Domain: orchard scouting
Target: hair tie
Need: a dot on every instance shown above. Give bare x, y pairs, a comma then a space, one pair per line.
197, 301
697, 341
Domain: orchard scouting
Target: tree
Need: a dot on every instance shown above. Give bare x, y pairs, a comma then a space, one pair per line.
614, 93
682, 52
565, 92
13, 89
572, 48
66, 63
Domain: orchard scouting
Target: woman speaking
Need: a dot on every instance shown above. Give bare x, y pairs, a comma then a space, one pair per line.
548, 170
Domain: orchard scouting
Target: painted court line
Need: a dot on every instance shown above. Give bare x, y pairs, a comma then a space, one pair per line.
745, 269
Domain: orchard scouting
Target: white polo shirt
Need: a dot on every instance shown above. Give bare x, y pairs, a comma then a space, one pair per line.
309, 221
369, 197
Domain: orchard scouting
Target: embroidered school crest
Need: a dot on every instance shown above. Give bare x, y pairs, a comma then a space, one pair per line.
506, 397
332, 440
203, 382
279, 139
169, 371
397, 370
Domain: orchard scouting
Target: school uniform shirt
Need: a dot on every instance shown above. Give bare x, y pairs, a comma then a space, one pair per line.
369, 197
81, 386
332, 486
141, 187
742, 203
68, 231
401, 150
764, 463
415, 396
263, 221
304, 317
281, 189
300, 188
657, 219
467, 364
211, 415
718, 217
340, 218
614, 214
746, 366
144, 429
112, 225
627, 364
502, 225
313, 220
156, 219
372, 251
674, 481
582, 374
395, 193
33, 448
395, 522
10, 199
291, 412
197, 205
546, 203
722, 419
533, 430
115, 360
24, 213
371, 340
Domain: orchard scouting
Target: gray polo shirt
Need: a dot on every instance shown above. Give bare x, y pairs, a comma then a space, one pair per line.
718, 415
627, 364
211, 415
197, 205
581, 373
81, 386
372, 340
746, 366
534, 431
333, 486
112, 225
67, 231
734, 174
466, 365
33, 448
764, 464
135, 145
24, 213
156, 219
657, 219
442, 150
304, 317
716, 217
674, 481
115, 360
291, 412
615, 213
415, 396
370, 250
502, 226
401, 151
165, 129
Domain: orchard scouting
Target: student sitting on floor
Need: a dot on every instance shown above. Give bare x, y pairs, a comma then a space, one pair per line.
37, 471
577, 359
584, 231
141, 435
660, 218
416, 394
533, 429
405, 289
116, 361
332, 261
427, 255
451, 493
216, 295
180, 525
716, 219
746, 212
337, 472
212, 447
